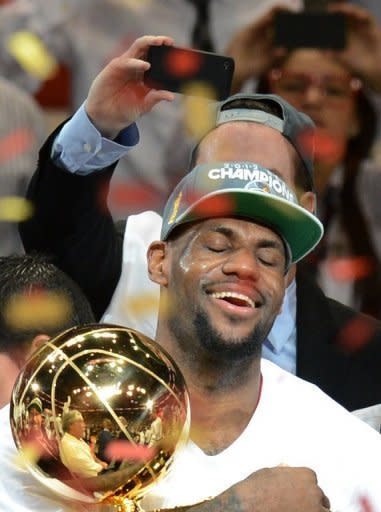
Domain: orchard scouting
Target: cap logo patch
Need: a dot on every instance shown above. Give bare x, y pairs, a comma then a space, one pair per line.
258, 178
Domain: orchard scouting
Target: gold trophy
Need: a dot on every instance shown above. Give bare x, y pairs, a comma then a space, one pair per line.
91, 376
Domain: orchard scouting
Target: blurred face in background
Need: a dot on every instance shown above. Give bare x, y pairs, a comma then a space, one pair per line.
78, 428
34, 419
317, 84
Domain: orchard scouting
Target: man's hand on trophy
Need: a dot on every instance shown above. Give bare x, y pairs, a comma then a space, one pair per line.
278, 489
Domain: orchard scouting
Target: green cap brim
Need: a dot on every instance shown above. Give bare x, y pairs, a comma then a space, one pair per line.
297, 226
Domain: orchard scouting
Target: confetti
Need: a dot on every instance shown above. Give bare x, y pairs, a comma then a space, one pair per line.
349, 269
132, 4
356, 334
124, 450
216, 206
182, 63
130, 194
365, 504
198, 116
327, 149
37, 309
32, 55
140, 304
15, 209
16, 143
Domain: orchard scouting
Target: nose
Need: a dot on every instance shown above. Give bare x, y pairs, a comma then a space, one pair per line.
314, 94
242, 263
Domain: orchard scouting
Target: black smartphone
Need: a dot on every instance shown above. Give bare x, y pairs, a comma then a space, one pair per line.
310, 29
189, 71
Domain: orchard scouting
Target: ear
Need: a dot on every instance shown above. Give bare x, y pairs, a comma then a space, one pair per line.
157, 260
308, 201
37, 342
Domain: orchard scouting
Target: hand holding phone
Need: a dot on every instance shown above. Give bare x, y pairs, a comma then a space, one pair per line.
188, 71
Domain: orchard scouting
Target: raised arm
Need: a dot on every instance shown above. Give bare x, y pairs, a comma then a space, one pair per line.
71, 221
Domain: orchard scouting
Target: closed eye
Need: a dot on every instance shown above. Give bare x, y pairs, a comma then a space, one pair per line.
268, 263
217, 242
270, 257
217, 248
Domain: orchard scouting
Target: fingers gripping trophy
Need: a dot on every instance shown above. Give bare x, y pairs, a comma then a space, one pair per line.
81, 380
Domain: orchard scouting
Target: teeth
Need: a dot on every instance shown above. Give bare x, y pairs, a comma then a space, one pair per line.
223, 295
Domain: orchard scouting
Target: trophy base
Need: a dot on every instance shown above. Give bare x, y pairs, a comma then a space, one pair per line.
120, 504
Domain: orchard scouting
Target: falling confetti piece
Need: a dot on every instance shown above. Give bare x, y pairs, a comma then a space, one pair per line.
216, 206
182, 63
147, 304
131, 195
365, 504
327, 149
349, 269
356, 334
198, 116
124, 450
15, 143
15, 209
132, 4
140, 304
28, 456
32, 55
37, 310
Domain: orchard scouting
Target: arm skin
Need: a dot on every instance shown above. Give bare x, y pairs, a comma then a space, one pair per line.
278, 489
71, 225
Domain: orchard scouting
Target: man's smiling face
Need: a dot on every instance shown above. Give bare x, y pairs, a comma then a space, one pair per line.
226, 281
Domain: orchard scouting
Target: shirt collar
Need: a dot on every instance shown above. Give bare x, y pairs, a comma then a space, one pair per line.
285, 322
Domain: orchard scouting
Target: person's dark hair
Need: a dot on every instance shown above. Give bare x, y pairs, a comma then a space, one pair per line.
302, 179
349, 210
28, 278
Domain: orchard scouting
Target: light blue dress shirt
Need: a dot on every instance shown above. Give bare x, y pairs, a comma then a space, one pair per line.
280, 345
80, 148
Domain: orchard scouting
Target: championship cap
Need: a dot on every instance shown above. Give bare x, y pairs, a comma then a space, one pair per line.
246, 190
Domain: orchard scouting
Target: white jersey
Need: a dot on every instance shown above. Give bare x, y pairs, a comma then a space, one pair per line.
295, 424
135, 301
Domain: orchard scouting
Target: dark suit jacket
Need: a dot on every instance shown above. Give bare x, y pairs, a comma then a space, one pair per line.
104, 438
73, 226
338, 348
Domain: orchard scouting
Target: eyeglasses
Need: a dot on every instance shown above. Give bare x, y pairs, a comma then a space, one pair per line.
334, 88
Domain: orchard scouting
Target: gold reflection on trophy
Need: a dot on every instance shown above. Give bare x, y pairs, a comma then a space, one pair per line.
98, 413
